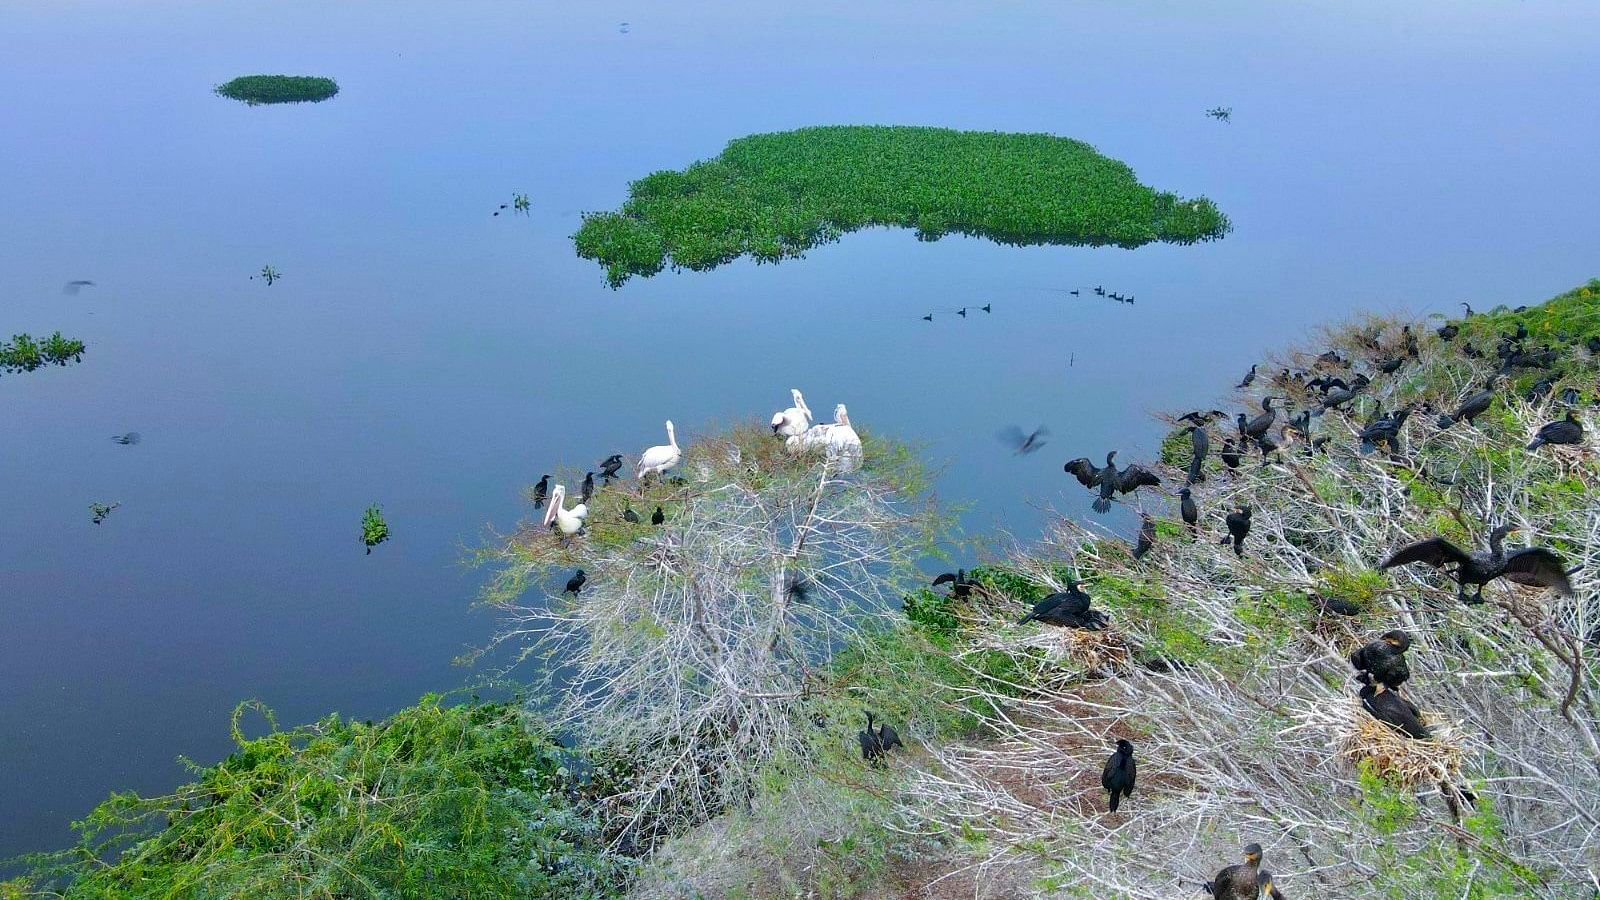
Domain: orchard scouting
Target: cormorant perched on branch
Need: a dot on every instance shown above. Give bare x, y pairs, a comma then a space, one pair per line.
1258, 426
541, 491
1068, 608
1539, 566
1201, 418
1249, 377
1120, 773
610, 466
1472, 407
1108, 480
1341, 393
1189, 511
1229, 454
1384, 660
1147, 534
1239, 882
1562, 431
871, 744
960, 586
1238, 528
587, 491
1385, 430
1200, 442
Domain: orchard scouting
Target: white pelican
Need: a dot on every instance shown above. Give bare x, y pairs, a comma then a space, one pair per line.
661, 457
837, 439
793, 421
567, 521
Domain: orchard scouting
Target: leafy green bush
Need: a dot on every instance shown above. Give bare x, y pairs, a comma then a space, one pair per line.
438, 801
774, 196
257, 89
24, 354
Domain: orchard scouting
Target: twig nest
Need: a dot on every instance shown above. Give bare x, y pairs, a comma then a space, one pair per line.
1398, 758
1083, 648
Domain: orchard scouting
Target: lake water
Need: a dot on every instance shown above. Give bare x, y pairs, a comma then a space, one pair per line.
424, 354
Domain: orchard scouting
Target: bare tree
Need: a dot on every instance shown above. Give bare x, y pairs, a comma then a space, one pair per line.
686, 656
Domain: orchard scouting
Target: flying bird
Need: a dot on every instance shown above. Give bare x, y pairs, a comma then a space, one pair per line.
73, 287
131, 437
1021, 444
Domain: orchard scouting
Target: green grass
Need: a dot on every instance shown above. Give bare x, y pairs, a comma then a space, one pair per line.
24, 353
438, 801
774, 196
258, 89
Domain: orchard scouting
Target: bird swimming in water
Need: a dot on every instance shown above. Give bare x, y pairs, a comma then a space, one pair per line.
1248, 378
629, 516
661, 457
575, 583
1536, 566
1384, 660
962, 312
125, 440
1562, 431
986, 307
1239, 881
1023, 444
1120, 773
928, 317
1147, 535
1068, 609
657, 517
1230, 454
541, 490
1472, 407
1189, 511
1238, 528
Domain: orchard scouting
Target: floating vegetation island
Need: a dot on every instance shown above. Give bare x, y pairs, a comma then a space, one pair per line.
773, 196
24, 354
257, 89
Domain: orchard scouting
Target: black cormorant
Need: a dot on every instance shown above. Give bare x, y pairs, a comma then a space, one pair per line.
1120, 773
1448, 332
1392, 365
888, 738
1538, 566
1147, 535
587, 491
1385, 430
1395, 711
1200, 443
610, 466
1198, 417
1189, 511
1258, 426
1336, 605
1540, 390
1249, 377
575, 583
1068, 608
1238, 528
131, 437
1022, 444
1385, 659
1472, 407
1112, 482
960, 585
1563, 431
871, 745
1229, 454
628, 515
1411, 341
541, 490
657, 517
1239, 882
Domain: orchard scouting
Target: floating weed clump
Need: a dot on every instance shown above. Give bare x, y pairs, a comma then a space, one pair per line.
259, 89
374, 530
23, 353
774, 196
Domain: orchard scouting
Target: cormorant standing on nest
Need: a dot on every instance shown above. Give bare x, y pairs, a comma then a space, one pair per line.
1472, 407
1537, 566
1385, 430
1384, 660
657, 517
575, 583
1147, 534
1229, 454
1120, 773
1189, 511
541, 491
1395, 711
960, 586
1238, 528
1335, 605
1068, 608
1563, 431
1239, 882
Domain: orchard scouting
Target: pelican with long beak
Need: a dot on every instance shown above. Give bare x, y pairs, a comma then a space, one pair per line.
661, 457
566, 521
836, 439
793, 421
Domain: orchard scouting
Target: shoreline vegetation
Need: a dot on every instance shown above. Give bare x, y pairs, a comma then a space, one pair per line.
257, 90
1227, 672
24, 353
774, 196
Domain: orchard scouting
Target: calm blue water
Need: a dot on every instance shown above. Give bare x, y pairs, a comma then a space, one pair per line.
420, 353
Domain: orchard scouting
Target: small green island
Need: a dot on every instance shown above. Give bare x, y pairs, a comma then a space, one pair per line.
774, 196
259, 89
24, 353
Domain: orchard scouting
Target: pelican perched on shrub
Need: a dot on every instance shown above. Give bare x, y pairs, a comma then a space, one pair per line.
567, 521
793, 421
837, 439
661, 457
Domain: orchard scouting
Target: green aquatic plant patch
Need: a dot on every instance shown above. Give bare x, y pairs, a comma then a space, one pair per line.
24, 353
774, 196
258, 89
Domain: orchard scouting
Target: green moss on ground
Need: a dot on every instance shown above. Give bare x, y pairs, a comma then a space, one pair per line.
259, 89
774, 196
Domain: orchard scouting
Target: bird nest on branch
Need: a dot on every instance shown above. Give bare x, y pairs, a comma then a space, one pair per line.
1394, 756
1091, 650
